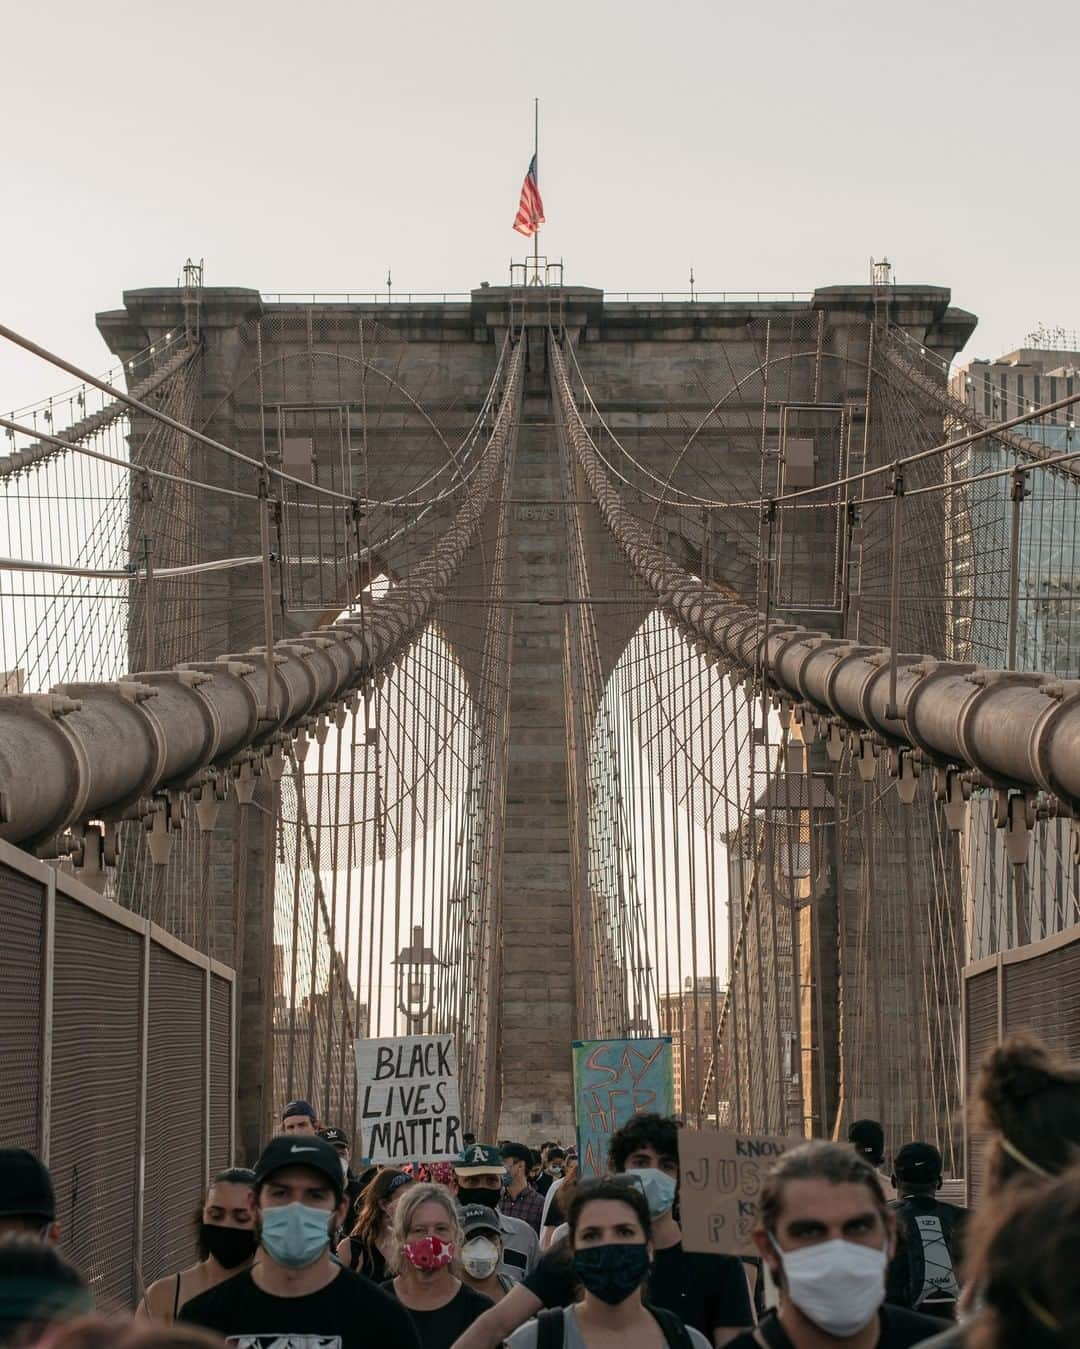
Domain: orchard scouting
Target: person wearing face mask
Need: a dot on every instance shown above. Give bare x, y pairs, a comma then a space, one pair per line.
544, 1179
478, 1178
707, 1292
225, 1238
428, 1238
827, 1235
611, 1249
370, 1244
340, 1140
295, 1293
481, 1252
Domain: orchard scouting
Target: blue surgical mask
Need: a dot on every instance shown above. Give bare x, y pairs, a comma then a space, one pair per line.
295, 1235
659, 1189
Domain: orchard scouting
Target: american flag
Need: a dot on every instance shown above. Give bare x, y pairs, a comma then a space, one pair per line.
530, 214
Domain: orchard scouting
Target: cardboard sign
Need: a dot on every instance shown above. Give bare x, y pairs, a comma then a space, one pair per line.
720, 1180
409, 1109
614, 1079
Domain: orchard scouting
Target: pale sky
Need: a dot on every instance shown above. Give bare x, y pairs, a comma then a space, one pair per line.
312, 146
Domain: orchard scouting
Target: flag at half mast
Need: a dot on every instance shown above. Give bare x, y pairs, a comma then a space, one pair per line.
530, 213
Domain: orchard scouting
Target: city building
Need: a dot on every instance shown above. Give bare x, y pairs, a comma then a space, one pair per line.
690, 1017
1002, 909
1048, 571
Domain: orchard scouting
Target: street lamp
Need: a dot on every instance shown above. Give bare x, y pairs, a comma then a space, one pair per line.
416, 966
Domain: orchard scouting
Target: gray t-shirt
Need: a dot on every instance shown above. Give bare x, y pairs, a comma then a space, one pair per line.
526, 1337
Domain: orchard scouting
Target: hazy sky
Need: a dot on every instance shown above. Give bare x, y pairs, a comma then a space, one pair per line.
310, 146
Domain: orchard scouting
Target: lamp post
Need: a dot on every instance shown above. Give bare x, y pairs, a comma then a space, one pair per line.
416, 966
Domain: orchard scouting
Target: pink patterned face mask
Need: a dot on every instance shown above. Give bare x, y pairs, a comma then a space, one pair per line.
429, 1252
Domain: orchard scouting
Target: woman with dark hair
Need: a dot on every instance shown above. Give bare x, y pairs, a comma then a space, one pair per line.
368, 1247
610, 1242
225, 1239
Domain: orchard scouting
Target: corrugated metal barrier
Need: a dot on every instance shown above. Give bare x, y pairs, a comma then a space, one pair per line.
117, 1062
1034, 987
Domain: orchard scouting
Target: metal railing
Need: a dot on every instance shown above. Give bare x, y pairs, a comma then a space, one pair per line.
366, 297
710, 296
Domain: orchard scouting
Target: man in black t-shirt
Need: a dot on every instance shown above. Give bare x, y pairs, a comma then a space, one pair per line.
294, 1295
827, 1235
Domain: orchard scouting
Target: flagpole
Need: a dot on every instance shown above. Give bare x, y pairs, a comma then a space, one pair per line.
536, 159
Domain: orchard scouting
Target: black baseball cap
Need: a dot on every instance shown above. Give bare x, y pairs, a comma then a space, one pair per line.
338, 1137
478, 1218
919, 1162
26, 1188
299, 1108
867, 1136
289, 1150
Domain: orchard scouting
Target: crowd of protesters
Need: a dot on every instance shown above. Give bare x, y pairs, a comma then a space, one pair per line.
510, 1246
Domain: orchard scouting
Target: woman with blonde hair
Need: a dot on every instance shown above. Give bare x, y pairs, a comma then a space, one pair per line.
427, 1239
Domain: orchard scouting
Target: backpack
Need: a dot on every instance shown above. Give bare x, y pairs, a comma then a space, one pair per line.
924, 1269
551, 1328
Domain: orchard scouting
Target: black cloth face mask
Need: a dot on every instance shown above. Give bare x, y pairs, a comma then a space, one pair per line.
490, 1197
230, 1246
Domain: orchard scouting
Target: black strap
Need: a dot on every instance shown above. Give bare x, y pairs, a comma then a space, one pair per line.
676, 1334
176, 1300
550, 1329
772, 1332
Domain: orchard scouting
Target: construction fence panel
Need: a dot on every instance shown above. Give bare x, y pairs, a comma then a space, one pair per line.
1034, 987
117, 1052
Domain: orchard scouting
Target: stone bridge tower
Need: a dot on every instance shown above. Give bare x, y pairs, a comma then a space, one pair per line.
288, 380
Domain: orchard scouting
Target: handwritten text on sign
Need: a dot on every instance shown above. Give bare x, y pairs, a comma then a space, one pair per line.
409, 1109
720, 1180
614, 1079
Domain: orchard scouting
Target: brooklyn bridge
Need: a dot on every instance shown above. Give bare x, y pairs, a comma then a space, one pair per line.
529, 666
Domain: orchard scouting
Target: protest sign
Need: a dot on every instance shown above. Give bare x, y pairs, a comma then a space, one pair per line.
614, 1079
408, 1088
720, 1180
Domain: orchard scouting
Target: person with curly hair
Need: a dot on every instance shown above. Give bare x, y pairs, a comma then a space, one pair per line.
1028, 1097
1024, 1254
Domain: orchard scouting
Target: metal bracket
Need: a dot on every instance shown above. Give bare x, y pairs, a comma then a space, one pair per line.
906, 768
159, 830
244, 781
865, 755
952, 788
1015, 813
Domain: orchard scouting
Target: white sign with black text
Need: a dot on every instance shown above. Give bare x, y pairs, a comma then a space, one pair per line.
409, 1107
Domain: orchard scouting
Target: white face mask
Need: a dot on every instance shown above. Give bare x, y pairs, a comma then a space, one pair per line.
838, 1285
480, 1257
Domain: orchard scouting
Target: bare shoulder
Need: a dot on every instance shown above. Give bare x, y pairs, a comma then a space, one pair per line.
160, 1298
